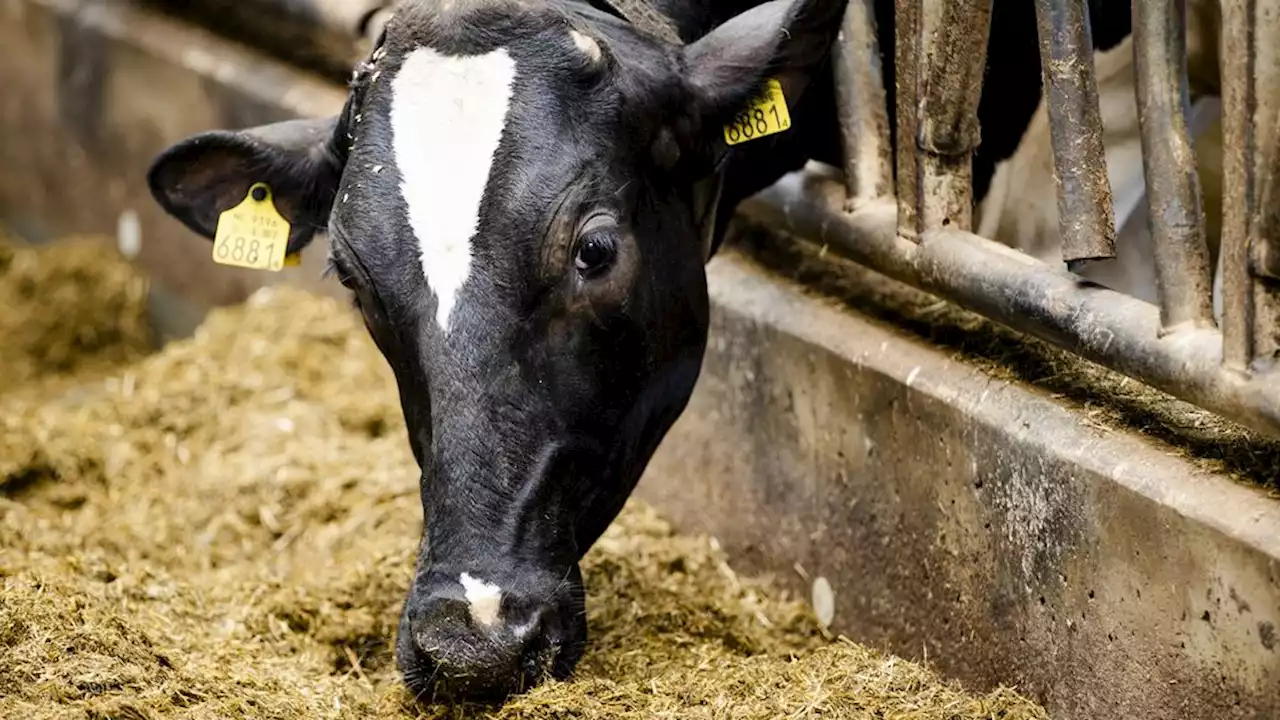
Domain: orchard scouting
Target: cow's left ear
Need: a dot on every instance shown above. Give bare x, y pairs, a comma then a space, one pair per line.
204, 175
781, 39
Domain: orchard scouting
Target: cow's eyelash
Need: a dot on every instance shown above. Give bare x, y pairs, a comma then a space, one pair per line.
331, 270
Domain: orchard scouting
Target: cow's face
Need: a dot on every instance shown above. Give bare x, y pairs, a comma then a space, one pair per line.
518, 199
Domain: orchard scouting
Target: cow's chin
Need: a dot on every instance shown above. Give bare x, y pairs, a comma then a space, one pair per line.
477, 643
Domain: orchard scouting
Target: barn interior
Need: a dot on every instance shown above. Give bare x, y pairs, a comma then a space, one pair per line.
945, 516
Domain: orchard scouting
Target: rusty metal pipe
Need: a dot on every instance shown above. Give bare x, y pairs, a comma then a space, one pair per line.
322, 35
860, 98
907, 22
1237, 143
1251, 173
1107, 327
1086, 215
953, 58
1174, 200
1264, 235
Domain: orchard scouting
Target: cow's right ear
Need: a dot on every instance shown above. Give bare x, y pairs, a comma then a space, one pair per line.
782, 39
206, 174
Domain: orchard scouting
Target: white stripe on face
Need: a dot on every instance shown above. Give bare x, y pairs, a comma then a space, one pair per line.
447, 117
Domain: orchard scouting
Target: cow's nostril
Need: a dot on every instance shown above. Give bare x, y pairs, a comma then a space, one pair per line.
527, 629
539, 663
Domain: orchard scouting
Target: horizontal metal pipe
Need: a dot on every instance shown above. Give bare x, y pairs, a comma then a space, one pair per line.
860, 102
1108, 327
323, 35
1086, 216
1173, 188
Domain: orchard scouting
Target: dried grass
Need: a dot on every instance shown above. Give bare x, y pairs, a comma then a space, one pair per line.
226, 528
68, 308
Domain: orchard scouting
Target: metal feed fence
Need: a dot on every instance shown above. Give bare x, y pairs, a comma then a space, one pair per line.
926, 240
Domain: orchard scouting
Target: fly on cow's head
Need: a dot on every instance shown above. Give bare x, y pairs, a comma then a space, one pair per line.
516, 196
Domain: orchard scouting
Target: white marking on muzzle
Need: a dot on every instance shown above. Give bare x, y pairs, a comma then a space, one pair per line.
447, 117
483, 599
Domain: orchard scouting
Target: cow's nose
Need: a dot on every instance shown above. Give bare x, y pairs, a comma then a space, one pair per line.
467, 602
471, 640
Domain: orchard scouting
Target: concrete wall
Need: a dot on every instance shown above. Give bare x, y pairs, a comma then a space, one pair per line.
972, 521
979, 523
92, 91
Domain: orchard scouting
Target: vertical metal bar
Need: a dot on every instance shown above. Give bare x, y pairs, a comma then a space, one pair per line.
954, 54
1264, 238
1086, 217
1266, 317
906, 63
860, 98
1237, 148
1251, 172
1175, 213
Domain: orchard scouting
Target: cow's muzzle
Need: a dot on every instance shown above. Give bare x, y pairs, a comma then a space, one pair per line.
482, 638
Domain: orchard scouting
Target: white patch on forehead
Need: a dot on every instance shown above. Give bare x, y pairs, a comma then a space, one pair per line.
586, 44
483, 599
447, 117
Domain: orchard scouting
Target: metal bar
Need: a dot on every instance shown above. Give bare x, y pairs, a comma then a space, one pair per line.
1266, 322
860, 98
323, 35
1264, 239
1175, 213
1086, 219
1107, 327
1251, 173
1237, 148
906, 60
953, 55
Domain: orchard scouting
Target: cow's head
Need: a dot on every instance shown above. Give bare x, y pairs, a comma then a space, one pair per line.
516, 195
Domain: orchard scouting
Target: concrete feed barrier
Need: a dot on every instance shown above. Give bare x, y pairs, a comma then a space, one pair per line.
925, 506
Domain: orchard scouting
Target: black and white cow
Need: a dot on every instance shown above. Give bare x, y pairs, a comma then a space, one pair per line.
521, 196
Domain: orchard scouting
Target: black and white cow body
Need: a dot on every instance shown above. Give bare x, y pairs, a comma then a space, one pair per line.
519, 197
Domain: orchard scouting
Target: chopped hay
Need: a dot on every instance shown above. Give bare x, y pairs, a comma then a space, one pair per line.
73, 307
226, 529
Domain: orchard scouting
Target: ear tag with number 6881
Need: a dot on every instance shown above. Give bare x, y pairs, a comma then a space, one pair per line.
252, 234
766, 114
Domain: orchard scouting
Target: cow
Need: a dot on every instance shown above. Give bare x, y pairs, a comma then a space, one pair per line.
521, 196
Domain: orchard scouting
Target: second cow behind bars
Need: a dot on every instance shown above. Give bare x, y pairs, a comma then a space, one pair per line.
521, 197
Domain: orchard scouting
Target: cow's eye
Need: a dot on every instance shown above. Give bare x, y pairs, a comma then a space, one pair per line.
596, 251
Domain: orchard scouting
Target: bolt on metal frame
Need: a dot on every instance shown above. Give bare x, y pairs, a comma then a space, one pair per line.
921, 234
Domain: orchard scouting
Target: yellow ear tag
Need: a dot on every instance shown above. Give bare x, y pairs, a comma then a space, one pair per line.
765, 115
252, 234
